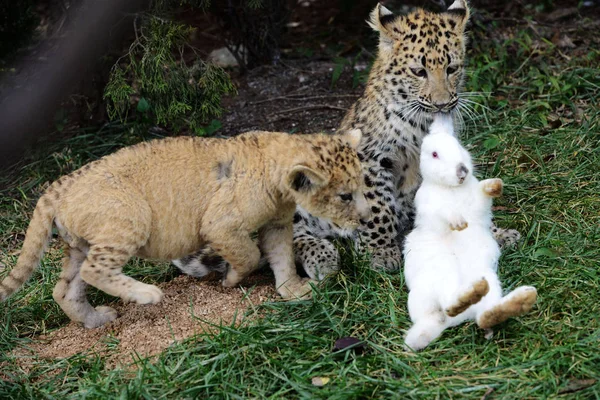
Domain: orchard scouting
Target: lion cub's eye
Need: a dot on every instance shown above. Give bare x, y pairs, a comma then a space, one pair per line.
420, 72
451, 70
346, 196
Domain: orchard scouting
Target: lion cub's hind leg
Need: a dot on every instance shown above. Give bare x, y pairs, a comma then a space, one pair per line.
70, 293
103, 267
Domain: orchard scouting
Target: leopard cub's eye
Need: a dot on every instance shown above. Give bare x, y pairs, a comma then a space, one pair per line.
434, 154
346, 196
451, 70
420, 72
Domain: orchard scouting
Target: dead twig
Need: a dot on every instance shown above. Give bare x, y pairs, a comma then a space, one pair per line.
576, 385
285, 114
297, 98
296, 69
307, 108
489, 391
535, 48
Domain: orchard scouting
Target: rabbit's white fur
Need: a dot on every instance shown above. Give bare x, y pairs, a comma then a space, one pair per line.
451, 256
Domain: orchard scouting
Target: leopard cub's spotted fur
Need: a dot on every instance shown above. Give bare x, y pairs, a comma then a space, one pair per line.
166, 198
418, 72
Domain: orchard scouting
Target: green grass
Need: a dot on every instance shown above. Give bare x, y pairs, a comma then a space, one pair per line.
552, 175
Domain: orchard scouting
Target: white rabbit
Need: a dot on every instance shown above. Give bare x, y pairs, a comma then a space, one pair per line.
451, 256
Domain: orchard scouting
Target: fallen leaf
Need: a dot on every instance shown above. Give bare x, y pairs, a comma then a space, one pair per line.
504, 208
491, 142
545, 251
349, 342
561, 13
554, 121
320, 381
563, 41
575, 385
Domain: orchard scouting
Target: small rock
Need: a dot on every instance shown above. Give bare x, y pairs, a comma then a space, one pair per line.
224, 58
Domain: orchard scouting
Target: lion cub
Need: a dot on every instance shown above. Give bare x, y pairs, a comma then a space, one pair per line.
165, 199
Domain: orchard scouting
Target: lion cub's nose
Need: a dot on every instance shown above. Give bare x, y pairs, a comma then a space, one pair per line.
461, 172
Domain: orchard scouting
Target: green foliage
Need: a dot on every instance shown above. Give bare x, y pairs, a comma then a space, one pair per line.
164, 87
209, 129
358, 76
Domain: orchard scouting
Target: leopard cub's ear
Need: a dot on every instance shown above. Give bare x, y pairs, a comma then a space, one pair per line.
302, 178
353, 137
459, 10
379, 20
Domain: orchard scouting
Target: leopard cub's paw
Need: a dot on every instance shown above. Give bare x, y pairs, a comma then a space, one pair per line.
505, 237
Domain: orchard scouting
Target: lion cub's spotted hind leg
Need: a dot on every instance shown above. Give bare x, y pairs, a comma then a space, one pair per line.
103, 267
70, 293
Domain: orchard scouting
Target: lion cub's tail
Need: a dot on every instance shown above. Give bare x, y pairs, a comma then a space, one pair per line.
36, 240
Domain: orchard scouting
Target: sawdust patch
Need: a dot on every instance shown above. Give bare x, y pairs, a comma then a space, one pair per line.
190, 306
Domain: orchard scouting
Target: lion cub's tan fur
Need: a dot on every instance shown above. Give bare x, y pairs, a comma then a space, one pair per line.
165, 199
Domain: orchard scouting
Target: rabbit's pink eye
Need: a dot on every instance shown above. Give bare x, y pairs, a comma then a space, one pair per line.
434, 154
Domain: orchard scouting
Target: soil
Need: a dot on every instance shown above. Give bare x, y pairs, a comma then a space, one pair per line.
190, 307
292, 98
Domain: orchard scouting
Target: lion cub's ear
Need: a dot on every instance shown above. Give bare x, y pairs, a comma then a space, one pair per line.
303, 178
353, 138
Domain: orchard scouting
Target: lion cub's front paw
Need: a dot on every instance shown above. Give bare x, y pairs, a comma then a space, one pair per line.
458, 223
296, 288
492, 187
142, 293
